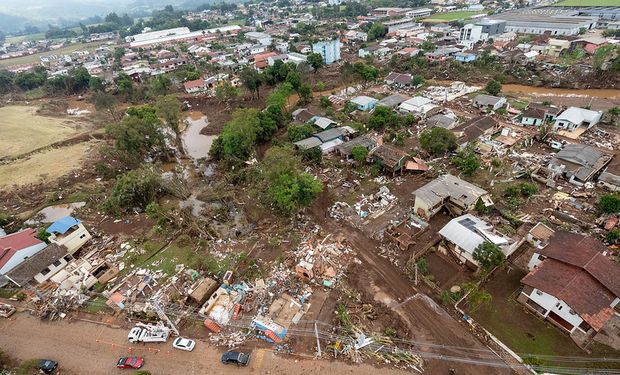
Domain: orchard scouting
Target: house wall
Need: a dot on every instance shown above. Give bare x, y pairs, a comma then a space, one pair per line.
531, 121
534, 261
422, 209
563, 124
52, 270
20, 256
551, 303
74, 240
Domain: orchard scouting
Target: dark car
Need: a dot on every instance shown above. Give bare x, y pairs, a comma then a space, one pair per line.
48, 366
130, 362
237, 358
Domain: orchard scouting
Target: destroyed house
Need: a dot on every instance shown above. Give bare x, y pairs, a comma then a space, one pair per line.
391, 158
475, 128
68, 232
610, 178
392, 101
573, 285
489, 102
451, 192
346, 149
465, 233
578, 163
441, 121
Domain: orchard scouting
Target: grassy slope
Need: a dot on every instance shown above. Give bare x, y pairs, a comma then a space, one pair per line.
24, 131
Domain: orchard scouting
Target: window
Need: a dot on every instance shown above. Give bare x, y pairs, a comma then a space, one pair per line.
57, 263
539, 292
541, 257
82, 236
572, 312
45, 271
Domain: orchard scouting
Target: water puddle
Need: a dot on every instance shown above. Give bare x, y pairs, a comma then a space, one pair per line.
196, 145
52, 213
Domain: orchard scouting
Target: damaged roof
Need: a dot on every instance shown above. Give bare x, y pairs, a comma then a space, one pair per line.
475, 127
347, 147
449, 186
577, 272
579, 160
33, 265
390, 156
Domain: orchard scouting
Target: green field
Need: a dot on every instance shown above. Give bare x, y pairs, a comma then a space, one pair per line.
588, 3
31, 59
453, 16
25, 38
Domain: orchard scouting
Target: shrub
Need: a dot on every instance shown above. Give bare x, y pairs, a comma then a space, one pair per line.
438, 141
609, 204
488, 255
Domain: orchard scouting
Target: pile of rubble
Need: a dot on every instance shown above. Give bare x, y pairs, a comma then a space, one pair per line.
229, 339
372, 206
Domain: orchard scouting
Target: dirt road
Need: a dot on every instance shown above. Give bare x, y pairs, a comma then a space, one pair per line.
87, 348
446, 343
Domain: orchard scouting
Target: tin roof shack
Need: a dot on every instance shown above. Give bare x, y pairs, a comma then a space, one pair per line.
392, 101
302, 115
474, 128
400, 80
451, 192
442, 121
38, 266
610, 178
220, 307
346, 149
391, 158
465, 233
539, 235
578, 163
576, 287
68, 232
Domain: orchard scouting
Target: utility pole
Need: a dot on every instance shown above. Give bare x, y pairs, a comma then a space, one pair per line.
416, 273
318, 343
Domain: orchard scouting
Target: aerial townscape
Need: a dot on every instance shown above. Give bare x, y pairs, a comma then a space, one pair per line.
309, 187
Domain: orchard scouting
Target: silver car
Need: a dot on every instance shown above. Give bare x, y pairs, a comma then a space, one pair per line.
184, 344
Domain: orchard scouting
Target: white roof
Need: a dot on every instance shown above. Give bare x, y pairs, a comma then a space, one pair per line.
468, 232
418, 101
578, 115
329, 146
323, 122
531, 54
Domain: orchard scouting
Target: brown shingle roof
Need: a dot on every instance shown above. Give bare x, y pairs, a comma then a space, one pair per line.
26, 270
476, 127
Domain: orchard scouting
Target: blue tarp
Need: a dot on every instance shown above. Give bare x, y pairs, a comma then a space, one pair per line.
61, 226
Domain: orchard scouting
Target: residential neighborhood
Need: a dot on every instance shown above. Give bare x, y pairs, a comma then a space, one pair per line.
399, 187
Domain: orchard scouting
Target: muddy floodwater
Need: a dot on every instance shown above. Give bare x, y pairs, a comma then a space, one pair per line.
197, 145
551, 91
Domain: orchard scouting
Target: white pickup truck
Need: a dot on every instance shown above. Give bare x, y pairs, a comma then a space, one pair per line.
148, 333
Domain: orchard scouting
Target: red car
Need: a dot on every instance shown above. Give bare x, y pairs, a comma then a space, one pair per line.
130, 362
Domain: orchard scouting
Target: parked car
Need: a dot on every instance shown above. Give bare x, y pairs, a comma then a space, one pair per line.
130, 362
237, 358
48, 366
134, 334
184, 344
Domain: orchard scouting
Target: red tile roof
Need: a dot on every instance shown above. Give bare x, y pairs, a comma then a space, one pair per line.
12, 243
196, 83
576, 272
263, 56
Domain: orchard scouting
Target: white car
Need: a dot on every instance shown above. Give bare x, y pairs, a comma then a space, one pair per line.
184, 344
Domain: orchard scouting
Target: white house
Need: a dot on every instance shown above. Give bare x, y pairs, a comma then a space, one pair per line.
576, 287
258, 37
68, 232
574, 117
489, 102
465, 233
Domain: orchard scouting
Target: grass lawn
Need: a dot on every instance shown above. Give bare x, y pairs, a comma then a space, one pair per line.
35, 58
453, 16
588, 3
517, 104
23, 130
97, 305
526, 334
43, 166
25, 38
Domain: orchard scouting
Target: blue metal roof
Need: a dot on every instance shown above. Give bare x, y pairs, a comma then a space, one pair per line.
61, 226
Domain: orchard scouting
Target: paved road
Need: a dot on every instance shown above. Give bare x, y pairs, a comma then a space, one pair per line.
88, 348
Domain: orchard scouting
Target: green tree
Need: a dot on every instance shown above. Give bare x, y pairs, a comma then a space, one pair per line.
428, 46
81, 79
298, 132
493, 87
226, 91
609, 204
124, 85
236, 141
134, 189
159, 85
105, 102
6, 80
488, 256
95, 84
315, 60
325, 103
613, 236
287, 188
360, 153
376, 31
305, 93
169, 108
383, 117
251, 80
476, 297
438, 141
466, 161
135, 137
